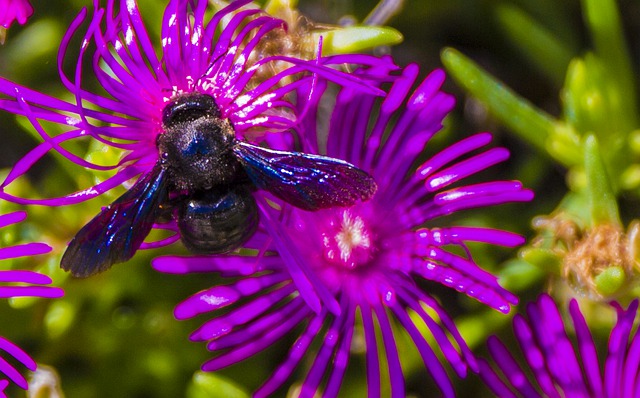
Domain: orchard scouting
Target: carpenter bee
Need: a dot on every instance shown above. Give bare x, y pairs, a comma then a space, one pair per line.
204, 178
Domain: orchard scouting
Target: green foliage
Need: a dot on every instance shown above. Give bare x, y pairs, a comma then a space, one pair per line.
354, 39
591, 134
210, 385
610, 280
531, 123
558, 90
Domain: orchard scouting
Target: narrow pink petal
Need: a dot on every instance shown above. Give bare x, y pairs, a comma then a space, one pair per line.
453, 152
429, 359
8, 369
241, 353
535, 356
371, 356
553, 340
310, 287
18, 353
23, 250
243, 314
25, 277
455, 235
341, 358
80, 196
505, 361
12, 218
12, 373
618, 343
226, 266
295, 355
222, 296
254, 331
494, 382
30, 291
332, 339
587, 349
395, 370
465, 168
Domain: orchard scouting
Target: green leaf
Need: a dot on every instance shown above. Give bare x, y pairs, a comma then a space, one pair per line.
523, 118
211, 385
582, 95
592, 104
60, 316
40, 37
630, 177
280, 7
602, 200
564, 145
543, 259
477, 327
104, 155
63, 166
610, 280
537, 44
354, 39
603, 19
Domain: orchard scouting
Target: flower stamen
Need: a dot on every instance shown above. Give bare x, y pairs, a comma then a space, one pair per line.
350, 243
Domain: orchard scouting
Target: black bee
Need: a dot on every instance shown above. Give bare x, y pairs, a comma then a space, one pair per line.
204, 177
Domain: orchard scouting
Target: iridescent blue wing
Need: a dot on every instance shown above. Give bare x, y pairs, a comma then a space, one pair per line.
114, 235
310, 182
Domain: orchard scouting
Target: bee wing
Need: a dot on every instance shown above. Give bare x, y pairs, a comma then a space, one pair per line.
114, 235
310, 182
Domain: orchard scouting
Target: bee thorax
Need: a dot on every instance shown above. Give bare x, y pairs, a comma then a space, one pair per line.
197, 154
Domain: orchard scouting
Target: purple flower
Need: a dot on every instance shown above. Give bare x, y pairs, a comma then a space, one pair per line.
210, 55
213, 55
16, 287
14, 10
366, 258
558, 369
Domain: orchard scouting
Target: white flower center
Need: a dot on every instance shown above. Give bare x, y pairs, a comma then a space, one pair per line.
349, 243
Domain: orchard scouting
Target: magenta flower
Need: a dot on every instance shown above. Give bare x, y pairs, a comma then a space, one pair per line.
14, 10
557, 368
367, 257
16, 287
140, 84
215, 56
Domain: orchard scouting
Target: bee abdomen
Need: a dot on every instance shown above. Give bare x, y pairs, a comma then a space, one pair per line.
218, 220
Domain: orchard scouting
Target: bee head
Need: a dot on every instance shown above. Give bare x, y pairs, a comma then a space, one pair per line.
187, 108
